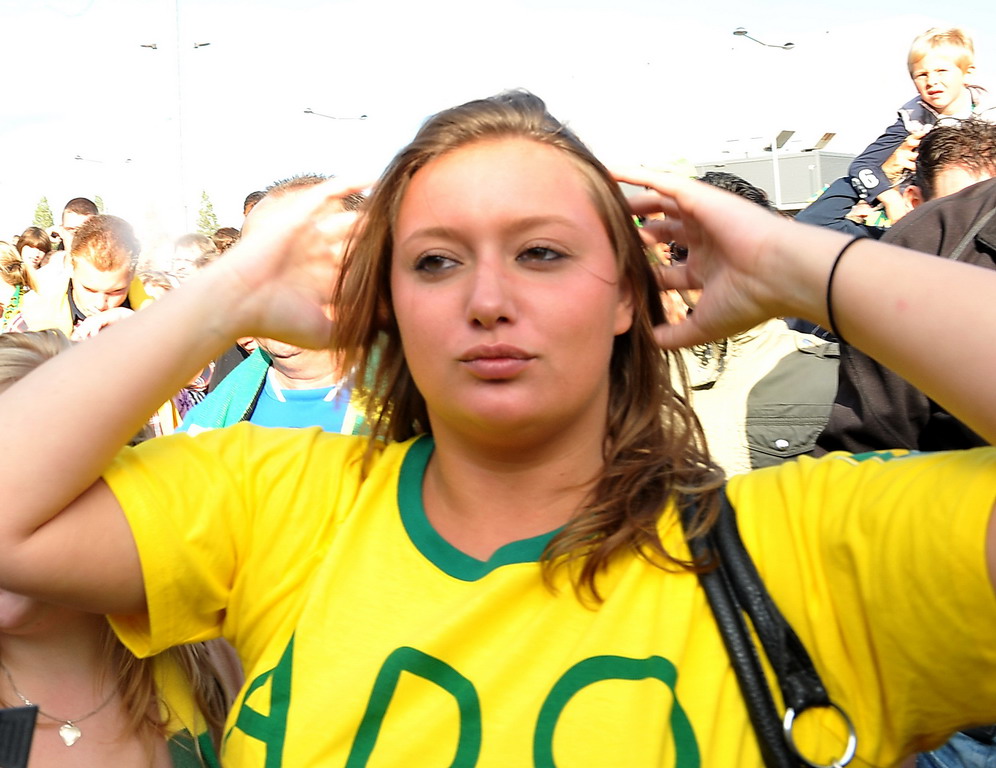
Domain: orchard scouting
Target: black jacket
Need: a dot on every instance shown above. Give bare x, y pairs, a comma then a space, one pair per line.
875, 408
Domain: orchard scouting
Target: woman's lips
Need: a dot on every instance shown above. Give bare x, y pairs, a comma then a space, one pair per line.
496, 362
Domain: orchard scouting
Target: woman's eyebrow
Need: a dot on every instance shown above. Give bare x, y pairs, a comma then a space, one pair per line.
512, 226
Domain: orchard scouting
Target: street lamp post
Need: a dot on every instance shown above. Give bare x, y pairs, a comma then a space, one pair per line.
310, 111
741, 32
178, 112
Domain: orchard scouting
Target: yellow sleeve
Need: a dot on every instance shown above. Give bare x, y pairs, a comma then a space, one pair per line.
879, 564
227, 524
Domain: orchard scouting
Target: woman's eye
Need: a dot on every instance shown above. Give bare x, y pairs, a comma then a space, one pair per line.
434, 263
540, 253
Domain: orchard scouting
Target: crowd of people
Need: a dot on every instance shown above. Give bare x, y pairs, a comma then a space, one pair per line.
422, 474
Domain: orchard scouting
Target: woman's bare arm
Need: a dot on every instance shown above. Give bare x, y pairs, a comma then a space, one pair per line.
931, 320
63, 536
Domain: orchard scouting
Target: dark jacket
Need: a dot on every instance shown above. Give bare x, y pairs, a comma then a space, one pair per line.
875, 408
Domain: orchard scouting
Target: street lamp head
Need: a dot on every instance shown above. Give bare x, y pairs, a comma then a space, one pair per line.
788, 46
740, 32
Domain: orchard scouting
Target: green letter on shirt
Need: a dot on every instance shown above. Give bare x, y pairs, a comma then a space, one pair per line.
269, 729
433, 670
598, 668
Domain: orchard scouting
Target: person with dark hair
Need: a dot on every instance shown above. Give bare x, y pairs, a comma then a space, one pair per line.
351, 202
75, 213
952, 157
38, 245
251, 199
738, 186
57, 272
498, 576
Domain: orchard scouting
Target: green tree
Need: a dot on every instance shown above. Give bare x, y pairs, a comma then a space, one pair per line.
43, 215
207, 222
99, 202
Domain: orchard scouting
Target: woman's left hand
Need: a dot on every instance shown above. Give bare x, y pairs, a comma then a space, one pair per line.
745, 259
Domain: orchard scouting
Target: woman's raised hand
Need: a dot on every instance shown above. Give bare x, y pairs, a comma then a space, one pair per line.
287, 263
750, 263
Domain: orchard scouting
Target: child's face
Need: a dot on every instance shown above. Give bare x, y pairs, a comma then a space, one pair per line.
941, 82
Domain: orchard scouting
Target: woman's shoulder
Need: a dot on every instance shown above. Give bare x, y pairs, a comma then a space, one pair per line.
265, 453
866, 502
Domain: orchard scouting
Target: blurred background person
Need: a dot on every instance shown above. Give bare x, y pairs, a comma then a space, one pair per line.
16, 282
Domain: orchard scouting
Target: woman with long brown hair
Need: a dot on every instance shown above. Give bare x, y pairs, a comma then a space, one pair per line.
498, 577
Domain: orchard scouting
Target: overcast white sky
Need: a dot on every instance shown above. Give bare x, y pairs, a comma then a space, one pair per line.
646, 81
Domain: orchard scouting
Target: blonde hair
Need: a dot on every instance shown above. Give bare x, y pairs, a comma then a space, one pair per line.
938, 37
654, 449
20, 354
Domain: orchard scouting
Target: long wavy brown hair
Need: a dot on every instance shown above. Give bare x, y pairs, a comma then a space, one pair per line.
654, 447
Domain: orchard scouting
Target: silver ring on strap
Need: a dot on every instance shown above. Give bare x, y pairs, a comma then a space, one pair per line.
788, 724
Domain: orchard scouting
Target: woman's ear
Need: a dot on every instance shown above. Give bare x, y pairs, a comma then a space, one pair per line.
624, 308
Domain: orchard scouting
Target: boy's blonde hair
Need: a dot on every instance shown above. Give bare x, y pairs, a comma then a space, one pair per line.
938, 37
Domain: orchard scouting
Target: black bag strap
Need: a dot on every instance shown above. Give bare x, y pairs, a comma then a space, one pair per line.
17, 728
734, 588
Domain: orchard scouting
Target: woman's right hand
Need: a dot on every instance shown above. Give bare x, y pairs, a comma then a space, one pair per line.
283, 270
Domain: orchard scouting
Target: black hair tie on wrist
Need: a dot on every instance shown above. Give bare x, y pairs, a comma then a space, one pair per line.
833, 271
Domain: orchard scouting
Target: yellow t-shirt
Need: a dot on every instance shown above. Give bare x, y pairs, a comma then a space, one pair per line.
368, 640
188, 740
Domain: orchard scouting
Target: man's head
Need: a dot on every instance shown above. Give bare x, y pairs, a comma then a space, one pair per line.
76, 212
940, 60
738, 186
952, 157
103, 258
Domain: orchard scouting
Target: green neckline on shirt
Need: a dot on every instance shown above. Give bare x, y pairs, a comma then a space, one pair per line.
434, 547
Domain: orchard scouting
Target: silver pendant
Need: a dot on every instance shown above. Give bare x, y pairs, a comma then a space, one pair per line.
70, 734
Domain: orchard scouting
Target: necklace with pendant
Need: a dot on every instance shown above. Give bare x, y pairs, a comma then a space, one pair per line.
69, 731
